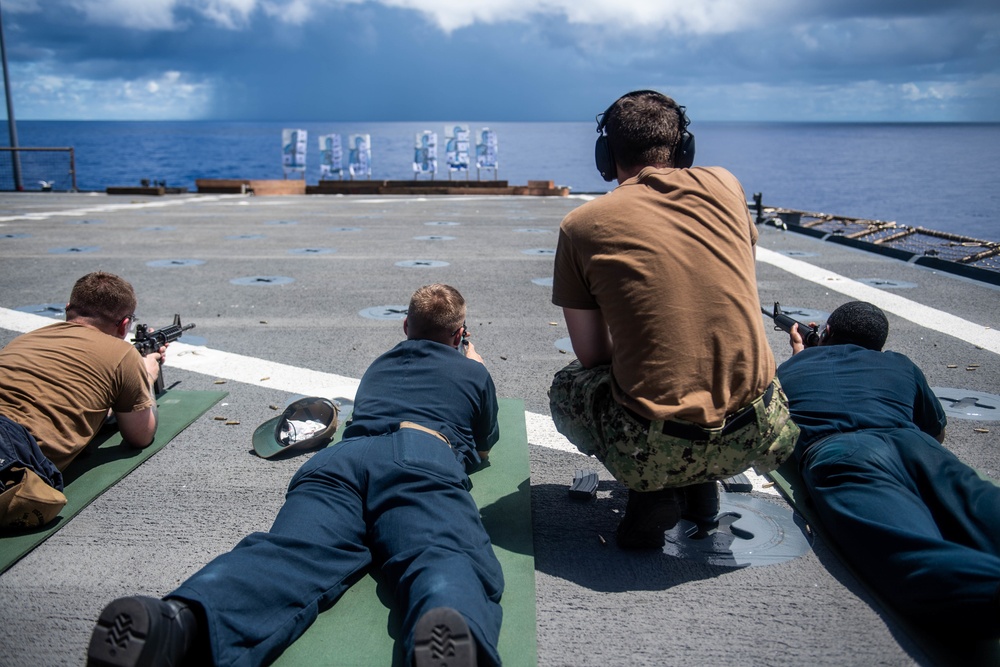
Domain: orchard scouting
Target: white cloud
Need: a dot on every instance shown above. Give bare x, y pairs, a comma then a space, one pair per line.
868, 100
936, 91
295, 12
673, 16
161, 14
227, 13
50, 96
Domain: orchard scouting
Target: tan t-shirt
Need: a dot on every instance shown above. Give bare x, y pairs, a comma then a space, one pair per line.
667, 257
59, 381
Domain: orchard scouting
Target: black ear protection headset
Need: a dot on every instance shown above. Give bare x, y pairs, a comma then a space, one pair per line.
683, 154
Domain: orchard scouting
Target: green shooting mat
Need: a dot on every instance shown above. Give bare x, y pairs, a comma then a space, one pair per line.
361, 629
106, 461
942, 651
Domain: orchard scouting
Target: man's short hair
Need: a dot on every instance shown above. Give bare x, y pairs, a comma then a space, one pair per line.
643, 130
858, 323
102, 297
436, 312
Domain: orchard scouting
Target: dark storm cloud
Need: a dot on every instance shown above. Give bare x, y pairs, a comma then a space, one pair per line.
370, 61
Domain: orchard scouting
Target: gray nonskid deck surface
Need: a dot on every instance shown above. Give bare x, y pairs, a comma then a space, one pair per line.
205, 490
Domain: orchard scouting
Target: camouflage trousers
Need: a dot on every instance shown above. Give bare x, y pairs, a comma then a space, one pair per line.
644, 456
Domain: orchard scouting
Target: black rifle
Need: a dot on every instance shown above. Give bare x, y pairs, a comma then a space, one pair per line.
147, 341
782, 322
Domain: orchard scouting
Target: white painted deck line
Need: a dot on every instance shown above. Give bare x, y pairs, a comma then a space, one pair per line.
541, 431
931, 318
90, 210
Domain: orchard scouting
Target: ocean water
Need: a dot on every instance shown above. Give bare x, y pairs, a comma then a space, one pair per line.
938, 176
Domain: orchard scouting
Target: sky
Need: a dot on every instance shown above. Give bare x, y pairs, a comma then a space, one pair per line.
502, 60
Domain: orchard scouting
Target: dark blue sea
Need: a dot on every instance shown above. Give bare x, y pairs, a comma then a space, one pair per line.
938, 176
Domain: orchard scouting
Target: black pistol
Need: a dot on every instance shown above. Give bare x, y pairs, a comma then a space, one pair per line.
147, 341
810, 333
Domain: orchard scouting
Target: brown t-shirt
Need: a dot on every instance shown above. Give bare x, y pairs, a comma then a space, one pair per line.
59, 381
667, 257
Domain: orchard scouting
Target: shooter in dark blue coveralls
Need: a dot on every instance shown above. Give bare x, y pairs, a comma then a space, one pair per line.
394, 493
921, 527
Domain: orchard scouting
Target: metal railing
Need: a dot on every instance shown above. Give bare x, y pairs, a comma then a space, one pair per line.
28, 164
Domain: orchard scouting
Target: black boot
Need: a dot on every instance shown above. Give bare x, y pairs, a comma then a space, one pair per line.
143, 632
701, 507
648, 516
442, 638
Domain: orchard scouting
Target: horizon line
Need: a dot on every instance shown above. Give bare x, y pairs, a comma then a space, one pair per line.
495, 121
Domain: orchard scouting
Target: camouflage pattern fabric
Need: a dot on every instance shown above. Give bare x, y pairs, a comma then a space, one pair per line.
643, 458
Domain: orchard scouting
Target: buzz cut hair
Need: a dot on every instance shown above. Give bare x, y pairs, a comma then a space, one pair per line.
435, 312
101, 297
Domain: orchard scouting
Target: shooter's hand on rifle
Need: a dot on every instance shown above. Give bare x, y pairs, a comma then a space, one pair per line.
153, 361
808, 334
152, 344
795, 339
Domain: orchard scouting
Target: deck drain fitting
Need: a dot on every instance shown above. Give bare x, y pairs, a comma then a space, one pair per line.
884, 283
384, 312
173, 263
56, 311
799, 314
751, 532
312, 251
75, 250
539, 251
966, 404
434, 237
421, 263
263, 280
798, 253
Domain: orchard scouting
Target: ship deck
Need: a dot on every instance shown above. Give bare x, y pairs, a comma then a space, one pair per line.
279, 288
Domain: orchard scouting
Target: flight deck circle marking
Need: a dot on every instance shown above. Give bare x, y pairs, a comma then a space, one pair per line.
74, 250
968, 404
312, 251
421, 263
886, 283
173, 263
751, 533
54, 310
263, 280
384, 312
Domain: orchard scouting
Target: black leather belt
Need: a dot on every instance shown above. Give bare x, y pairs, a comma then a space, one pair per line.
688, 431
